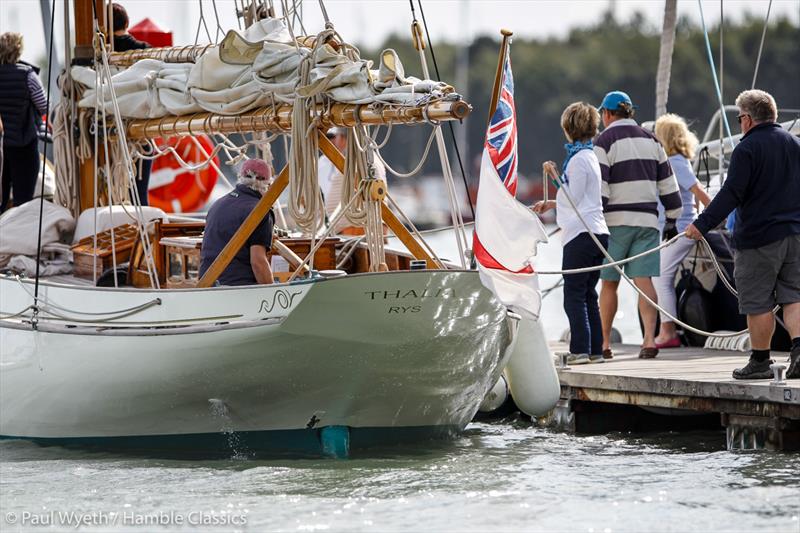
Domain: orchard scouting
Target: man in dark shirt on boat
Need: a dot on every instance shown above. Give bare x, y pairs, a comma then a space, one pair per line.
250, 265
763, 185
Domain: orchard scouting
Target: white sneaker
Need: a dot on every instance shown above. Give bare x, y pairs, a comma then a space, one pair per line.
577, 359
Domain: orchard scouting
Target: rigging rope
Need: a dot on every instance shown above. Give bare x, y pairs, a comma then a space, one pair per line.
449, 123
761, 45
723, 116
128, 165
44, 168
202, 23
417, 168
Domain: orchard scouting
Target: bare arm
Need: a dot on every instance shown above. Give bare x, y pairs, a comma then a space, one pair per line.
701, 195
259, 262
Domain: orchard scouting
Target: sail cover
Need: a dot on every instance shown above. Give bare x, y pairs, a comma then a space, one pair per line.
252, 69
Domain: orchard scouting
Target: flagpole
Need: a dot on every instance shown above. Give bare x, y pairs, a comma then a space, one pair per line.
498, 75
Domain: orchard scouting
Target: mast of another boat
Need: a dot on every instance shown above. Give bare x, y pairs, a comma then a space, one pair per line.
665, 56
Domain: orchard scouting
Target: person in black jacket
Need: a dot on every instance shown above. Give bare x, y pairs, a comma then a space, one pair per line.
22, 102
124, 41
763, 185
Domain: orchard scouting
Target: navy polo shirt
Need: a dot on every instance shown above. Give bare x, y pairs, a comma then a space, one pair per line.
763, 185
222, 221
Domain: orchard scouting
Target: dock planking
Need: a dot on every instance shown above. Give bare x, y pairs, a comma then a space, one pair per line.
680, 382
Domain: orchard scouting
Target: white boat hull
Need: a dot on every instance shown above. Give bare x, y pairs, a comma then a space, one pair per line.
385, 355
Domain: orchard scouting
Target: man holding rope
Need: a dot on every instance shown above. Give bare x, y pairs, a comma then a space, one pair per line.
763, 185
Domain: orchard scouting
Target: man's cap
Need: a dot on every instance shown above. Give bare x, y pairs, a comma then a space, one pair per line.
256, 168
614, 98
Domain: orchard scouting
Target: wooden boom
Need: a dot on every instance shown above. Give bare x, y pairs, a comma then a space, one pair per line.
279, 119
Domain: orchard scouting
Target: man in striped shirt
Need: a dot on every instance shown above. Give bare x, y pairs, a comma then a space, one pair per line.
636, 175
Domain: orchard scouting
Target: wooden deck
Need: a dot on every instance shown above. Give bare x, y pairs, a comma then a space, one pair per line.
677, 384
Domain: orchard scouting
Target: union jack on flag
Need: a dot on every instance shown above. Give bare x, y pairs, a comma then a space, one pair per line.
506, 232
501, 138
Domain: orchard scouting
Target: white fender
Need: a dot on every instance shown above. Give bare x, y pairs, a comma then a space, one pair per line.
496, 397
531, 372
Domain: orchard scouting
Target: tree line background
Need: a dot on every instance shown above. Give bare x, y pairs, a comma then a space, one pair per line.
549, 74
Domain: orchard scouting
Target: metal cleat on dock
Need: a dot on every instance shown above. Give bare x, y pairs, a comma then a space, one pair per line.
779, 372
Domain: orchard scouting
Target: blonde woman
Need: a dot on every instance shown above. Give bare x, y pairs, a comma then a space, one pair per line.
582, 179
680, 145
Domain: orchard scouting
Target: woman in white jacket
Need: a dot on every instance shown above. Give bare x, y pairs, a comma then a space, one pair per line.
581, 179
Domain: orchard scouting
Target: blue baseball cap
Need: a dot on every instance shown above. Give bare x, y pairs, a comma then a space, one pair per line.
614, 98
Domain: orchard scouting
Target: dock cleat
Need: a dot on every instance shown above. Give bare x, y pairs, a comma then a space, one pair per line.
754, 370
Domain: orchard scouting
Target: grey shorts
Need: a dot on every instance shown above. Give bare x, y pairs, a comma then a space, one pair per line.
768, 275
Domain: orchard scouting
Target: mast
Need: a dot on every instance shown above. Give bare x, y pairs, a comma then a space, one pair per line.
665, 56
84, 55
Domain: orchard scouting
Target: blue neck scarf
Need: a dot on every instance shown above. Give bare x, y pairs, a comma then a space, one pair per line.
572, 149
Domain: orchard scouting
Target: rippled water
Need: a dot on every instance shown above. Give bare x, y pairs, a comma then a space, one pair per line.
503, 476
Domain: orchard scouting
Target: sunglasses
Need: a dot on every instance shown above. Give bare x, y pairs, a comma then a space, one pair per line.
739, 117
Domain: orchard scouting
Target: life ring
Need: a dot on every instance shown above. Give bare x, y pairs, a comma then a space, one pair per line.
183, 191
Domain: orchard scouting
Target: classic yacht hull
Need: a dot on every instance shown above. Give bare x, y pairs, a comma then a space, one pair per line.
386, 355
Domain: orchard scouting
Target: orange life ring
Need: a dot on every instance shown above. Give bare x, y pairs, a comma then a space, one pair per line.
188, 191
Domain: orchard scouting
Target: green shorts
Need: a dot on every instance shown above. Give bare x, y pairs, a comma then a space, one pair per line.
627, 241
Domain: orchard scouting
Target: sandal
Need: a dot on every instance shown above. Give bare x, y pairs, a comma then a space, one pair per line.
648, 353
607, 354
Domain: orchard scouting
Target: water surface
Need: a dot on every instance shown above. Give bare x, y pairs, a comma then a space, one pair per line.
500, 476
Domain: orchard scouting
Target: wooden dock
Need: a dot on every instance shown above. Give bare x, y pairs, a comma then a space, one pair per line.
681, 388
